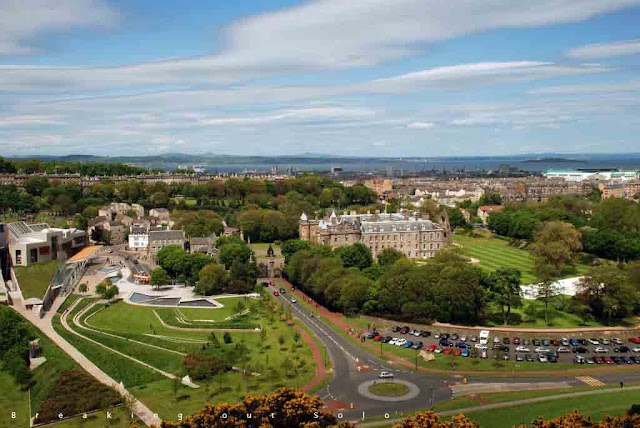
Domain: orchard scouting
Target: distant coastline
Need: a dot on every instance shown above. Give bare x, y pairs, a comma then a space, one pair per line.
554, 159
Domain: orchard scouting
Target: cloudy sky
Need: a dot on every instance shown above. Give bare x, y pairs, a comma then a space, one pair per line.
357, 77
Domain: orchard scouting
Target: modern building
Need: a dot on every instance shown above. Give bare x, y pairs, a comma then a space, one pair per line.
35, 243
593, 174
417, 238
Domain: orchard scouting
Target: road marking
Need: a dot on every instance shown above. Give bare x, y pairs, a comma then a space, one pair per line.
590, 381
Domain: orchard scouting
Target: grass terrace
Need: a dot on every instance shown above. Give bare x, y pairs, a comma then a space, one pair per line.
34, 279
13, 399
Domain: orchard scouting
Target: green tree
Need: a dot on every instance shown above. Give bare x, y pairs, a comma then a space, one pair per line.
213, 279
555, 248
173, 260
608, 291
356, 255
232, 252
505, 290
159, 277
389, 256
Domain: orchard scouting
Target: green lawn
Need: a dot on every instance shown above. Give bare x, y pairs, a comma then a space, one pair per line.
119, 419
595, 406
260, 248
34, 280
389, 389
494, 253
68, 302
12, 399
141, 324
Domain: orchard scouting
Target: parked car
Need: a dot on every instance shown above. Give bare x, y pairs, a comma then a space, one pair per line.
506, 357
519, 357
580, 350
432, 347
371, 334
529, 357
417, 345
275, 293
404, 330
583, 342
536, 342
395, 329
552, 358
522, 349
436, 335
463, 338
474, 339
542, 358
455, 336
573, 342
481, 346
635, 340
605, 341
401, 342
506, 341
447, 351
444, 335
386, 339
483, 354
601, 350
393, 341
385, 375
425, 333
555, 342
445, 342
526, 342
541, 350
563, 350
462, 345
579, 359
591, 360
545, 342
496, 339
636, 349
565, 341
622, 349
464, 353
617, 341
594, 341
378, 338
457, 352
516, 340
408, 344
293, 300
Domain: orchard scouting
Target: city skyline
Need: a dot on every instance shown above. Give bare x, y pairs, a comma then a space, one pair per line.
364, 78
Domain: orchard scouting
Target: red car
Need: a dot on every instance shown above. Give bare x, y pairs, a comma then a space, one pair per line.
432, 347
608, 360
516, 340
275, 293
457, 352
378, 338
447, 351
635, 340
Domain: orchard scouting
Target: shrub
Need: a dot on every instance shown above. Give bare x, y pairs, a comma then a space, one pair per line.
227, 337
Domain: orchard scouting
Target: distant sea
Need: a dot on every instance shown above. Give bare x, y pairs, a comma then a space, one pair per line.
533, 163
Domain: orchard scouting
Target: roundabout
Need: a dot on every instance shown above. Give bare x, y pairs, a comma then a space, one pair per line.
389, 390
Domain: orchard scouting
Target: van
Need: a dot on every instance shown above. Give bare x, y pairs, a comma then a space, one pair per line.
484, 337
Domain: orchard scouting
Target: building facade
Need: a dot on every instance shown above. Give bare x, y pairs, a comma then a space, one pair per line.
33, 243
417, 238
158, 239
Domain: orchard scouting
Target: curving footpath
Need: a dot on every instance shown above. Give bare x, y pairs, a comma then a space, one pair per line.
44, 325
63, 320
171, 327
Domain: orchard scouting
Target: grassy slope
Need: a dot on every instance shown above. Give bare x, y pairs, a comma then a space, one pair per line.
494, 253
35, 279
595, 406
12, 399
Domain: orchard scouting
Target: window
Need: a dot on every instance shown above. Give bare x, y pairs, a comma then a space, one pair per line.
18, 257
33, 255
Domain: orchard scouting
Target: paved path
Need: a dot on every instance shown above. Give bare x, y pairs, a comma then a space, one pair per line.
468, 410
44, 325
240, 330
321, 370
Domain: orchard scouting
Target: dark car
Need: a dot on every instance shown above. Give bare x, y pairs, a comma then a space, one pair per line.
462, 345
622, 349
580, 350
545, 342
444, 336
404, 330
529, 358
626, 360
536, 342
516, 340
371, 334
417, 345
506, 341
455, 336
519, 357
555, 342
386, 339
573, 342
583, 342
395, 329
552, 358
425, 333
445, 342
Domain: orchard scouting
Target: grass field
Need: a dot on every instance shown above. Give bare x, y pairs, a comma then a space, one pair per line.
12, 399
595, 406
269, 358
493, 253
34, 279
68, 302
119, 419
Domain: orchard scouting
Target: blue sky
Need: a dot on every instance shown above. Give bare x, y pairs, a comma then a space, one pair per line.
363, 77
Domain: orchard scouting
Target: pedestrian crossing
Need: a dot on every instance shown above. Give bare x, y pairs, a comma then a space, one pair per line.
590, 381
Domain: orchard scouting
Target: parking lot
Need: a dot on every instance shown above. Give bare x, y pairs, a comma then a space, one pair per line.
526, 347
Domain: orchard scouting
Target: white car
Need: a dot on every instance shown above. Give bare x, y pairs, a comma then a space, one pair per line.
522, 349
563, 350
393, 341
636, 349
565, 341
385, 375
540, 350
605, 341
480, 346
463, 338
400, 342
496, 339
601, 350
593, 341
543, 358
293, 300
617, 341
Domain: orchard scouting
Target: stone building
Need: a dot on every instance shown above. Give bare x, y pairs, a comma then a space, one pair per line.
158, 239
417, 238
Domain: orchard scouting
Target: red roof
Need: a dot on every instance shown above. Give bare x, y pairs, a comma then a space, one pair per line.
491, 207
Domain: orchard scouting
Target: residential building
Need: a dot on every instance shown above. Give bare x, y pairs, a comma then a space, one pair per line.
379, 185
35, 243
158, 239
138, 237
417, 238
202, 244
116, 209
161, 215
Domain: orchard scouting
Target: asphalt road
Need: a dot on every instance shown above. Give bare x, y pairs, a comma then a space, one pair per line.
342, 391
346, 357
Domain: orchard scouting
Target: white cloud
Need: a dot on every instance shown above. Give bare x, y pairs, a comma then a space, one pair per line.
320, 35
605, 50
29, 120
633, 85
23, 21
421, 125
462, 75
297, 115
